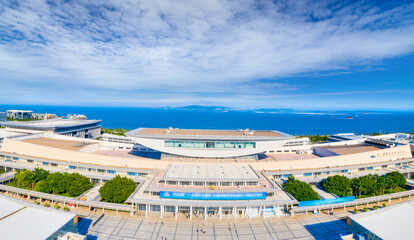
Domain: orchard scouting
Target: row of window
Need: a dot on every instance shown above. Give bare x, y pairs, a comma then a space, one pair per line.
404, 165
198, 183
189, 144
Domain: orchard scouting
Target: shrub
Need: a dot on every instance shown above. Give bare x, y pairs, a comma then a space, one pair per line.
384, 205
375, 207
46, 205
56, 206
117, 190
338, 185
365, 209
36, 202
66, 209
356, 210
300, 190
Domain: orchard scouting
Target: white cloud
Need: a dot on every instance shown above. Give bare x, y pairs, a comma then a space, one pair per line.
188, 47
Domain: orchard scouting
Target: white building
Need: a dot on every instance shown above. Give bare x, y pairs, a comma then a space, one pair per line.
19, 114
213, 143
67, 127
3, 116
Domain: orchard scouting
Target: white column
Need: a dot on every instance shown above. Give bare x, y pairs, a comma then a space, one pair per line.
220, 213
235, 212
161, 210
146, 210
176, 211
205, 213
248, 212
191, 212
263, 211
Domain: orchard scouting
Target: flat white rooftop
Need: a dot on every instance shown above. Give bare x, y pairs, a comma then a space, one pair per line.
394, 222
50, 122
210, 172
23, 221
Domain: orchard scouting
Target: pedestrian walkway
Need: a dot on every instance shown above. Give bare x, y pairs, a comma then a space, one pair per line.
319, 226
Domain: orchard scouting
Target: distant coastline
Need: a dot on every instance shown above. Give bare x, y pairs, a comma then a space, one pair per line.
199, 117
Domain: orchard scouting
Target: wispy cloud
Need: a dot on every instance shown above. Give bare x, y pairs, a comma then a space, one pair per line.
173, 50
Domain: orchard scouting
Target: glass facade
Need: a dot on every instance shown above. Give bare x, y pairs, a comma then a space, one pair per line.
206, 144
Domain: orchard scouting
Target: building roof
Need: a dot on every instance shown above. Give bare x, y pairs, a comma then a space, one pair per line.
214, 172
58, 143
203, 134
20, 220
50, 124
351, 149
394, 222
27, 111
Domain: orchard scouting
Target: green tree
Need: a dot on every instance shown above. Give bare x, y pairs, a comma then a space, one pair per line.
338, 185
381, 185
77, 184
300, 190
368, 182
58, 182
24, 179
357, 186
397, 177
42, 186
117, 190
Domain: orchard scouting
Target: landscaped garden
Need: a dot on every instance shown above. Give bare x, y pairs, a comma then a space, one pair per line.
365, 186
40, 180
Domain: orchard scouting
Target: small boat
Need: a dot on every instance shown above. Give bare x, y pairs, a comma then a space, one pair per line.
349, 117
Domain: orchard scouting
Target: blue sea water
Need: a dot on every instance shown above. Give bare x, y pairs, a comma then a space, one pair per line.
292, 123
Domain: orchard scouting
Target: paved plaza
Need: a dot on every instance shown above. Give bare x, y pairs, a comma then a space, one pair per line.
319, 226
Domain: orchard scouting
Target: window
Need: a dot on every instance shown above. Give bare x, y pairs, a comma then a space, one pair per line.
45, 163
101, 170
326, 173
370, 168
335, 172
82, 168
72, 167
287, 175
225, 183
111, 171
185, 183
171, 182
238, 184
92, 169
384, 166
132, 174
277, 176
344, 171
198, 183
252, 183
361, 169
212, 183
15, 158
30, 161
54, 164
307, 174
397, 164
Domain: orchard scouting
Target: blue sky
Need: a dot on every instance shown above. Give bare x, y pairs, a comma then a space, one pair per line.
241, 54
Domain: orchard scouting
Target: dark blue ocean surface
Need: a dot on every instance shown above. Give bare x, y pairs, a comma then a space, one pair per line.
293, 123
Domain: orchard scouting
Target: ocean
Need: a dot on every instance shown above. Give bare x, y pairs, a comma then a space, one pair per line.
291, 122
